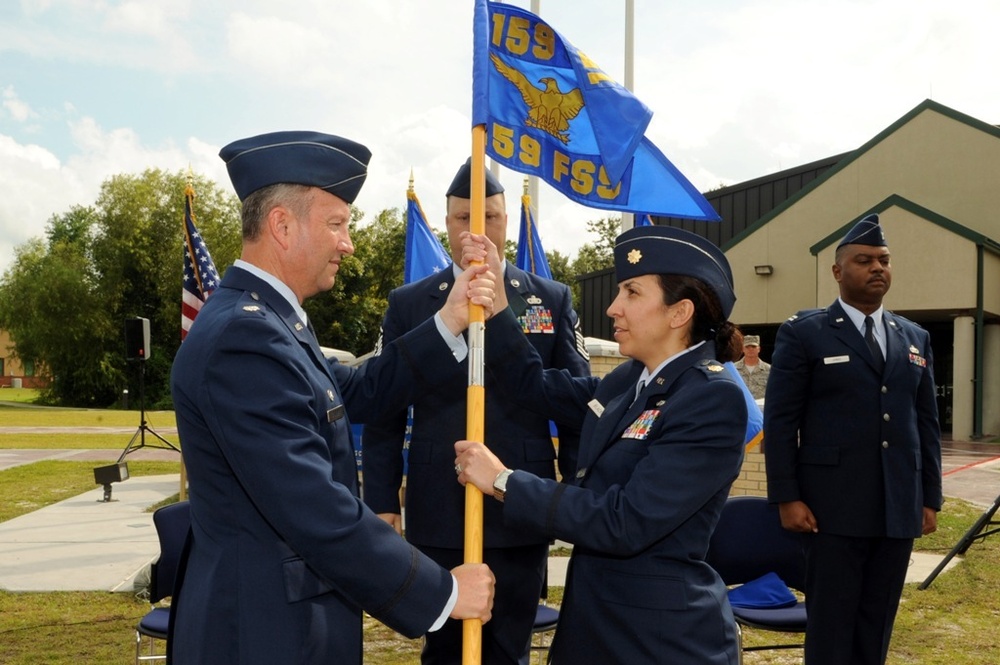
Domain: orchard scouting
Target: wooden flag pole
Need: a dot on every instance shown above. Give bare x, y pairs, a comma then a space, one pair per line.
472, 629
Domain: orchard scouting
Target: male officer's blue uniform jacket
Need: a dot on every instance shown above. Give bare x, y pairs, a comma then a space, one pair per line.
651, 481
284, 556
861, 450
435, 502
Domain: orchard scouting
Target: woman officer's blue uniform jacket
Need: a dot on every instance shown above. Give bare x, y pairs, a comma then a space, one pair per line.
651, 481
284, 556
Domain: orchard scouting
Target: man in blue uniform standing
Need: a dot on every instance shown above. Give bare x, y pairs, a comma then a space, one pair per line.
283, 556
434, 501
853, 451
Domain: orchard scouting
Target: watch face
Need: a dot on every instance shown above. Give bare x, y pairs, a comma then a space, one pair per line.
500, 484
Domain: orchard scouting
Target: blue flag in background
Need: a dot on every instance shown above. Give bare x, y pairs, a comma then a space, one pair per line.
530, 255
755, 417
550, 111
424, 253
643, 220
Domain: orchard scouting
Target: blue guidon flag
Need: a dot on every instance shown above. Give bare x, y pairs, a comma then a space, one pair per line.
530, 254
550, 111
424, 254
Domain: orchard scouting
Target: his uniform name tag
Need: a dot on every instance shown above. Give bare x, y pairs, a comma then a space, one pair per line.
596, 407
833, 360
335, 414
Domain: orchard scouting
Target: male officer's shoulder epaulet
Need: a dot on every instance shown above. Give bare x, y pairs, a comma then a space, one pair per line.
902, 319
251, 304
711, 368
804, 315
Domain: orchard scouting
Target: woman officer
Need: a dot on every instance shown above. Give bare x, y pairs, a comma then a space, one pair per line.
661, 443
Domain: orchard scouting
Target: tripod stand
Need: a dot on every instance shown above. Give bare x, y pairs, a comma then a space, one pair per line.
977, 531
140, 433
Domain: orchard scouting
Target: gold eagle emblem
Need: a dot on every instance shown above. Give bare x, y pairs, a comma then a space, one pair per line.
549, 109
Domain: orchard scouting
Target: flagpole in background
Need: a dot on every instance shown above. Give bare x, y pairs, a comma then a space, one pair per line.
536, 9
628, 219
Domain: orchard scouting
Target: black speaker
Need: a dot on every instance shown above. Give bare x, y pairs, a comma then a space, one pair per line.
137, 339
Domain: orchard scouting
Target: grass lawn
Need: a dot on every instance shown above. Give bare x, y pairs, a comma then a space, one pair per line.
954, 622
16, 410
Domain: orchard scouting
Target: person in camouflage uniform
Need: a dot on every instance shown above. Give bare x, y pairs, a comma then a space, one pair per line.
753, 370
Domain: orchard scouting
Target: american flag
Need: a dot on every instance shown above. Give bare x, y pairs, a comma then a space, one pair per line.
200, 275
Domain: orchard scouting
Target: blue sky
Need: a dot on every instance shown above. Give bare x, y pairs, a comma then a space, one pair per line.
739, 89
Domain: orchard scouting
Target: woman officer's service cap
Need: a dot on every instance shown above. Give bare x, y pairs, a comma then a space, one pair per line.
665, 250
334, 164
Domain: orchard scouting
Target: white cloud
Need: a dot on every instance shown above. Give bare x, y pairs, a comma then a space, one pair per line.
17, 109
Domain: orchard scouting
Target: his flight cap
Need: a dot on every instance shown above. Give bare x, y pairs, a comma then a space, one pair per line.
866, 232
665, 250
332, 163
751, 340
461, 184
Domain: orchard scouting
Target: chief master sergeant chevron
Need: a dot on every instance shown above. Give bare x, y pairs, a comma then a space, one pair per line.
435, 503
853, 451
283, 556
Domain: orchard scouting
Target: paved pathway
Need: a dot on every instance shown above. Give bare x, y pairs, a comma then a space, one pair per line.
83, 543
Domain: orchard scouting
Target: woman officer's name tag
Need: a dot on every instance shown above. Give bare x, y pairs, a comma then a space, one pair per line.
833, 360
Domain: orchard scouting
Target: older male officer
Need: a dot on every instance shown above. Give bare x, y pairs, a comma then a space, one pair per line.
434, 501
853, 451
283, 556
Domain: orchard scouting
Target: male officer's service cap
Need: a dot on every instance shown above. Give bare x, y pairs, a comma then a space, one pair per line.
665, 250
866, 232
751, 340
461, 185
332, 163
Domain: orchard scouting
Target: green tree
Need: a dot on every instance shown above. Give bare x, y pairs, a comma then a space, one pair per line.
53, 310
559, 265
65, 301
600, 254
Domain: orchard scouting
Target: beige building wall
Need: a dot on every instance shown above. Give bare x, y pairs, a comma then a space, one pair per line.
12, 368
936, 161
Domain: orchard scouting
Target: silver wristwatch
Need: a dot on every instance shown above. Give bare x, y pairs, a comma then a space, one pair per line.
500, 484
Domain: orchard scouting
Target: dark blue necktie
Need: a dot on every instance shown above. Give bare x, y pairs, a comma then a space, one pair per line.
873, 344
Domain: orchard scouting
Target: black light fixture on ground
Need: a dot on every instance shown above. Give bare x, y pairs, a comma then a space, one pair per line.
112, 473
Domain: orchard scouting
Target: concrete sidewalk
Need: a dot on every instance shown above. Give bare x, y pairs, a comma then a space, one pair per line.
83, 543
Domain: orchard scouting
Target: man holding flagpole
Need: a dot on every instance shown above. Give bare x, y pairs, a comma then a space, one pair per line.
434, 502
282, 556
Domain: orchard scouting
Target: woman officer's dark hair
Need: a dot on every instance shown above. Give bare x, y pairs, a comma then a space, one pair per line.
708, 322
